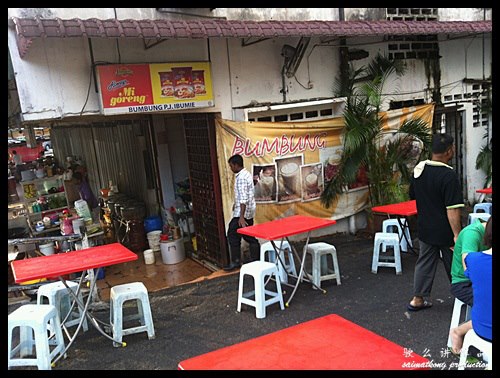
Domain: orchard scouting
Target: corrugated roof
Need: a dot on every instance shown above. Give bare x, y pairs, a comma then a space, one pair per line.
29, 28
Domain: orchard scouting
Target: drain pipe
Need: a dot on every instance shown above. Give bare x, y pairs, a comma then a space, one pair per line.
352, 224
343, 56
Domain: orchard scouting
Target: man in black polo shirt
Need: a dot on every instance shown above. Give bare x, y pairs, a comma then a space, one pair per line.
436, 188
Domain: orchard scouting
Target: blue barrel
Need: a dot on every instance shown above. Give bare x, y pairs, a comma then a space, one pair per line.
100, 273
152, 223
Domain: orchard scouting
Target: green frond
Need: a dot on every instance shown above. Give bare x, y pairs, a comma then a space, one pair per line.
387, 165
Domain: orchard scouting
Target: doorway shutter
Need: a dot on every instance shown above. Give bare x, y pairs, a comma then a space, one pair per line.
206, 196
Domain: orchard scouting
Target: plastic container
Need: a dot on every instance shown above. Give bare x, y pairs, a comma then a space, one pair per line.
100, 273
172, 252
67, 226
78, 224
154, 239
83, 210
27, 175
153, 223
47, 249
149, 256
40, 173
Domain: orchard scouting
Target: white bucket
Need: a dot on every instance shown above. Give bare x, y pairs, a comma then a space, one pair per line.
149, 256
172, 252
154, 239
47, 249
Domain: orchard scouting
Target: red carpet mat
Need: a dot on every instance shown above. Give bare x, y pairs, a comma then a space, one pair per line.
327, 343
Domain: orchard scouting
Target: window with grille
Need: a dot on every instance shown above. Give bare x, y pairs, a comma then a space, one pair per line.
412, 14
293, 112
413, 46
478, 94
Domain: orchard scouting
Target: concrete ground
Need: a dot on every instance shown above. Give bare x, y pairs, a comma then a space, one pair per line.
201, 317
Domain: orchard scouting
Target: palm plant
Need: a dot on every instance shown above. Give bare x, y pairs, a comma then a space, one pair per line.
366, 145
484, 160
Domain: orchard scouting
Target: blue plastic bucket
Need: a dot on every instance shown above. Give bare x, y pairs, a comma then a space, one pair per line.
101, 273
152, 223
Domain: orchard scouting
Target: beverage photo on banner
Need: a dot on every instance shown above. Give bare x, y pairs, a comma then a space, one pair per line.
291, 162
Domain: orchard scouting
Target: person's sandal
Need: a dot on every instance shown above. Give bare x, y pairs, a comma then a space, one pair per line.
423, 306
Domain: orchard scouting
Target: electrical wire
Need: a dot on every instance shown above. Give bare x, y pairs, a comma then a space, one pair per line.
118, 43
88, 90
327, 44
297, 80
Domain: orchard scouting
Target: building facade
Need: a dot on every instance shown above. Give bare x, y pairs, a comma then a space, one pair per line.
275, 64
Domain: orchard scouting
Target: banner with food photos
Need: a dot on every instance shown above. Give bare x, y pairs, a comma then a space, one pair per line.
158, 87
291, 162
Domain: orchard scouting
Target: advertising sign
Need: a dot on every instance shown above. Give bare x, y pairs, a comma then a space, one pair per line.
145, 88
292, 162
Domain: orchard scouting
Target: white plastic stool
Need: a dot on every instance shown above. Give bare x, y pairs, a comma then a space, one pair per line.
320, 267
33, 321
126, 292
472, 339
57, 295
389, 239
474, 216
455, 316
259, 270
286, 264
388, 226
487, 207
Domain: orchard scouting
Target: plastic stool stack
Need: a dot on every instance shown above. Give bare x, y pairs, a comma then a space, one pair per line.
388, 239
57, 295
474, 216
118, 296
486, 207
455, 316
389, 225
33, 322
321, 269
472, 339
286, 264
259, 270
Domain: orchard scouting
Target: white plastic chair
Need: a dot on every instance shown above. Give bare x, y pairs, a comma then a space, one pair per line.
474, 216
321, 269
455, 316
259, 270
389, 239
487, 207
388, 225
286, 263
472, 339
126, 292
33, 322
57, 295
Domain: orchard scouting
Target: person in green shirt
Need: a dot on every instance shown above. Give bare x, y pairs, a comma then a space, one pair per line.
470, 239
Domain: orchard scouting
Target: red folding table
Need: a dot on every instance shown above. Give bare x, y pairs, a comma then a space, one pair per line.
400, 210
62, 264
485, 191
284, 228
327, 343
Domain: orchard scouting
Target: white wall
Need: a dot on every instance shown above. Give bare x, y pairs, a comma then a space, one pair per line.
278, 14
60, 69
464, 14
53, 79
255, 14
473, 141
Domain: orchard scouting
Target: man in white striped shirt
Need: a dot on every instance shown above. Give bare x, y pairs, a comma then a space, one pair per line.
243, 212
